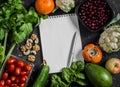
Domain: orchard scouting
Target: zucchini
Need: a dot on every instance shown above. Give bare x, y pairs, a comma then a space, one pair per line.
42, 77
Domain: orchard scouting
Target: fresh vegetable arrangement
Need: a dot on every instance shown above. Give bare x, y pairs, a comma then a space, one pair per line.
16, 21
16, 73
69, 75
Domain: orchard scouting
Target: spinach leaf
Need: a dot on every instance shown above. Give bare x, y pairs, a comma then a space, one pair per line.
72, 74
67, 73
78, 66
81, 82
57, 82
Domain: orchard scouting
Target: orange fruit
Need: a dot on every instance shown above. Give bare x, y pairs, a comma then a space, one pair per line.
44, 6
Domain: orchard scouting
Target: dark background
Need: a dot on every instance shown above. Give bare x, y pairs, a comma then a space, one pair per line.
86, 36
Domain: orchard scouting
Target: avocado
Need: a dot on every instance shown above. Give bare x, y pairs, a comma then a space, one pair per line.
98, 75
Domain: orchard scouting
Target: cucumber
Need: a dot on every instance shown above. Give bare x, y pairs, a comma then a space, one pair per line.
42, 77
98, 75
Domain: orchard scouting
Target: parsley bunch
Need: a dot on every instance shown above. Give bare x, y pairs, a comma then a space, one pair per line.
17, 21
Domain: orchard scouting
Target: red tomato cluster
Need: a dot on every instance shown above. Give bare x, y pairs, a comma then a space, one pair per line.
15, 74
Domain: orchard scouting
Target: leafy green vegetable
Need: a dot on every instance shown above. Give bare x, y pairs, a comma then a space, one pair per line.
81, 82
17, 21
57, 82
80, 75
114, 20
32, 16
20, 34
73, 74
78, 66
69, 75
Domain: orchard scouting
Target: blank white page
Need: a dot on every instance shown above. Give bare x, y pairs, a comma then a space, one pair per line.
56, 37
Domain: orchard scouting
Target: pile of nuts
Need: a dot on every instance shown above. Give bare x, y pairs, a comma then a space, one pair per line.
31, 47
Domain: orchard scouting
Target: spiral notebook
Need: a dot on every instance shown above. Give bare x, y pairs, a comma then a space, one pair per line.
61, 42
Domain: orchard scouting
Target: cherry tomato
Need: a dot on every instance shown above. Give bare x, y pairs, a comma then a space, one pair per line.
16, 86
17, 80
11, 67
22, 85
2, 82
28, 67
5, 76
13, 85
26, 77
20, 63
1, 85
11, 60
17, 70
23, 73
12, 78
23, 79
5, 86
28, 72
8, 82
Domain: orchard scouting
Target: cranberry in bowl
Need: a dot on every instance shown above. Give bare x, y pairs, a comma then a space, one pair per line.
94, 14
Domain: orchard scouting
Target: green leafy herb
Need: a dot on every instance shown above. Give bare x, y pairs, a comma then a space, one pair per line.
78, 66
17, 21
114, 20
57, 82
69, 75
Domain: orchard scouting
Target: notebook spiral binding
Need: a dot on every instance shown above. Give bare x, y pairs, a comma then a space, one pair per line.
63, 15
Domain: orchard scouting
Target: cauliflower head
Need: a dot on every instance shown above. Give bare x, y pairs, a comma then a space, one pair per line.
65, 5
109, 40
